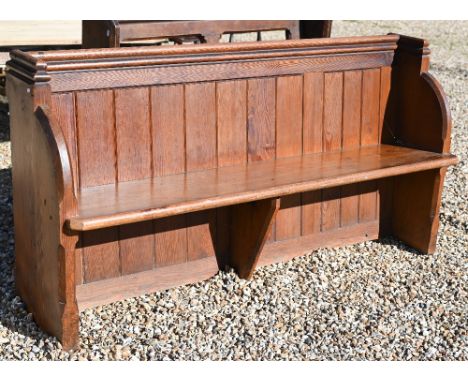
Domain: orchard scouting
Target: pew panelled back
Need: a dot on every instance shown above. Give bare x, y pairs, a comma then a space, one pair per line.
115, 33
122, 115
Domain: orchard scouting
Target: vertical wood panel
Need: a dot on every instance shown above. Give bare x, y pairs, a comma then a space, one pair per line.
79, 260
133, 135
100, 254
384, 199
385, 83
352, 109
332, 129
136, 243
385, 205
168, 134
351, 139
261, 119
201, 234
96, 152
312, 143
370, 107
170, 241
231, 103
96, 137
369, 136
289, 116
313, 113
64, 110
200, 130
261, 124
289, 143
231, 121
63, 106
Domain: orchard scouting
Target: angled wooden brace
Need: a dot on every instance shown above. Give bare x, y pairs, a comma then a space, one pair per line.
250, 225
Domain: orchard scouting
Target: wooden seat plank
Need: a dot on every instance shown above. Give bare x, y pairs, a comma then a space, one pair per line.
135, 201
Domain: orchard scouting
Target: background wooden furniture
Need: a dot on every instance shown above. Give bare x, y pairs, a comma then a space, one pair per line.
136, 169
37, 34
115, 33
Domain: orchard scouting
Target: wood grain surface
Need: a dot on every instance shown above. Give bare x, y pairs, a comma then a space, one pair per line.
177, 194
144, 168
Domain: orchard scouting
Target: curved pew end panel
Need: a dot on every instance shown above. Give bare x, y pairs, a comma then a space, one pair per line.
418, 116
43, 200
141, 169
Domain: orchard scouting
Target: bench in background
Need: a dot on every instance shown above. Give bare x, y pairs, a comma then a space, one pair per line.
116, 33
138, 169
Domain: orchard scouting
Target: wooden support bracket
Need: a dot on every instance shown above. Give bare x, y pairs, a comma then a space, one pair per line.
250, 225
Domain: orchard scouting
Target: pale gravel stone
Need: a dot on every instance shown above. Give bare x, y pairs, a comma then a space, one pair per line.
376, 300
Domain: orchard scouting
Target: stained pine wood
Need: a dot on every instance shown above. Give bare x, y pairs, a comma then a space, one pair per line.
231, 112
43, 195
63, 107
95, 121
240, 60
136, 247
352, 93
286, 250
96, 137
289, 98
410, 77
368, 200
332, 137
201, 235
416, 199
99, 58
117, 289
385, 86
200, 129
239, 68
114, 33
261, 139
168, 149
170, 241
136, 201
312, 143
175, 144
101, 254
250, 223
385, 186
168, 131
261, 125
133, 145
133, 134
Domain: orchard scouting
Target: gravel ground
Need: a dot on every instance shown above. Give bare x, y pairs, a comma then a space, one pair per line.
372, 301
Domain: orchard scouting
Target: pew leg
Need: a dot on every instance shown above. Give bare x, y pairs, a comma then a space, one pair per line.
45, 280
249, 228
415, 211
70, 316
